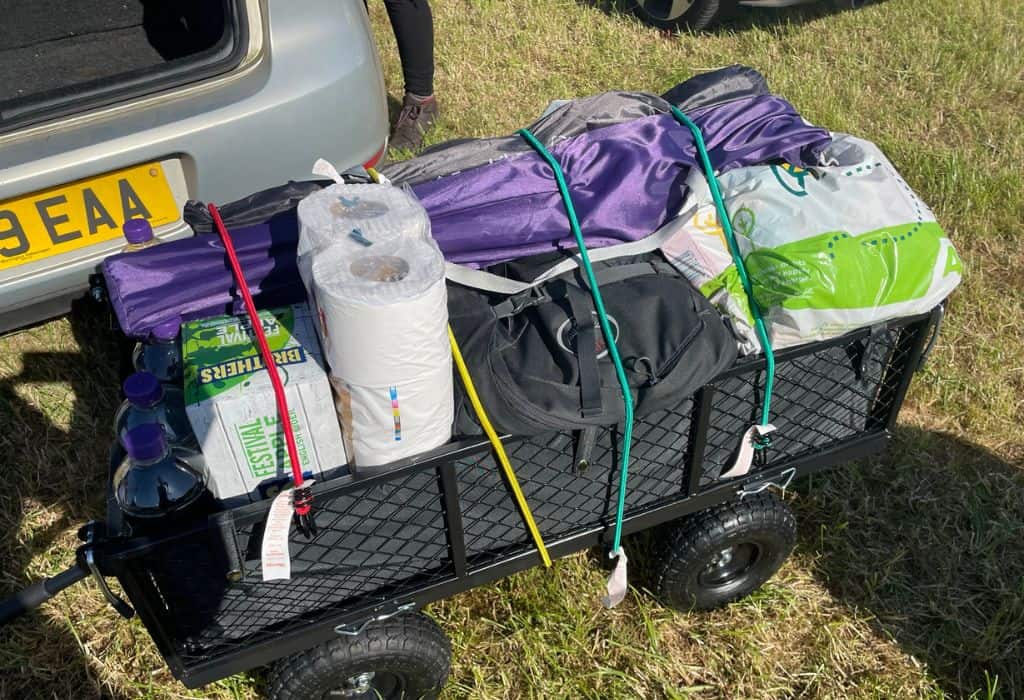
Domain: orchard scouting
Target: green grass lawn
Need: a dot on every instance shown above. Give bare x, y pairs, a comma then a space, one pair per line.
908, 579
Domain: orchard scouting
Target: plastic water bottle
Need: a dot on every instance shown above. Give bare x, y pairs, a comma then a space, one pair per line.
149, 401
161, 355
139, 234
155, 481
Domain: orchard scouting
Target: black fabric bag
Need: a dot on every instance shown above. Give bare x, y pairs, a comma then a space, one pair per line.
539, 361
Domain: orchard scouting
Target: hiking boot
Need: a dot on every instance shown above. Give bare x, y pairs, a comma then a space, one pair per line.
418, 114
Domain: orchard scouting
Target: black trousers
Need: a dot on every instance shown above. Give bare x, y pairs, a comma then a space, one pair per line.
413, 24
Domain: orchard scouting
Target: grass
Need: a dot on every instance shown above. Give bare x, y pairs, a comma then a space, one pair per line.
908, 580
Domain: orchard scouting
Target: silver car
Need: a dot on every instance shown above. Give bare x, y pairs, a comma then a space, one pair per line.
112, 110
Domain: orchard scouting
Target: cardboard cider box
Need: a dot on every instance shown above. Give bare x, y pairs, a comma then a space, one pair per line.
230, 402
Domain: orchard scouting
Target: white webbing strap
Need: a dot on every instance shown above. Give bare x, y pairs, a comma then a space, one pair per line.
490, 282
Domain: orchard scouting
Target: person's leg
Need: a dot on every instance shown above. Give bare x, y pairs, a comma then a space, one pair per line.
413, 24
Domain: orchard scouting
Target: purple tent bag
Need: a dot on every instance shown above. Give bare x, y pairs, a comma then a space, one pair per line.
626, 181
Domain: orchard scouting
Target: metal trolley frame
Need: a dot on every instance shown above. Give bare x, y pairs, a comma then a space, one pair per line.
444, 522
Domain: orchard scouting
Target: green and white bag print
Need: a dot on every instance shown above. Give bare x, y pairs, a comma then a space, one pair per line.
828, 249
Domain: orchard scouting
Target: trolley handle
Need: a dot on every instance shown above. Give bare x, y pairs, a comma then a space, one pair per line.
85, 565
40, 592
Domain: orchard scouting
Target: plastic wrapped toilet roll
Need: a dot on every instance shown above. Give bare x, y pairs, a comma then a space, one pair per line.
387, 423
384, 318
356, 217
374, 305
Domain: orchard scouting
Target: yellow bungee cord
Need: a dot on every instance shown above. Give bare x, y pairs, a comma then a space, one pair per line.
499, 449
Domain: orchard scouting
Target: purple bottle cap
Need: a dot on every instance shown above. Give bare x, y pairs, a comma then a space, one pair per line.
137, 231
143, 389
145, 442
167, 331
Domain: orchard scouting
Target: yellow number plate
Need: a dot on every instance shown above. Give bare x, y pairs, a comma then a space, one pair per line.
83, 213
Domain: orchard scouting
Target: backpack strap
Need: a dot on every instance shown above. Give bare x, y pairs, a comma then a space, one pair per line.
520, 302
483, 280
582, 309
619, 273
490, 282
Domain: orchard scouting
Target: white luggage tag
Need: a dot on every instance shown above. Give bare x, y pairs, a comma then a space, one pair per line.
745, 455
322, 168
618, 582
274, 554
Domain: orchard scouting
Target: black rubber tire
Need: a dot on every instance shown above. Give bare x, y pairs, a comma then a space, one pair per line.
693, 556
703, 14
409, 655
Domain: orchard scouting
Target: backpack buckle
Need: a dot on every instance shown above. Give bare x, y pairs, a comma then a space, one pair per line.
519, 303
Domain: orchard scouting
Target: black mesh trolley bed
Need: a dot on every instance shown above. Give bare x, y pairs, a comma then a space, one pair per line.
347, 623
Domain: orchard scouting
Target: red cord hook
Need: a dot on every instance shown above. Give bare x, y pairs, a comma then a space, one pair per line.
302, 499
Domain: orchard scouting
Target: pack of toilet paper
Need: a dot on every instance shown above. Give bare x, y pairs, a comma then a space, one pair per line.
382, 306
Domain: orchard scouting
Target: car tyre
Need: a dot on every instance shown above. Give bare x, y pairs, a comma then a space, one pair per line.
405, 658
695, 15
722, 554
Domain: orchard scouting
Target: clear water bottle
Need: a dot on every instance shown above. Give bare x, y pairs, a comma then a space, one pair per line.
149, 401
139, 234
161, 355
155, 481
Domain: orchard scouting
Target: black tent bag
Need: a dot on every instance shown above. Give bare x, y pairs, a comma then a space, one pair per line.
539, 361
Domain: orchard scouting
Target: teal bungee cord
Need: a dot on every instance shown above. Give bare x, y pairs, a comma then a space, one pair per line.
606, 329
761, 441
737, 257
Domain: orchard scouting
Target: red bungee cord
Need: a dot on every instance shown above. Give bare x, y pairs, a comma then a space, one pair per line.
302, 498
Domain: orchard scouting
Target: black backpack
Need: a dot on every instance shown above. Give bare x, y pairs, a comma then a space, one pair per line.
538, 357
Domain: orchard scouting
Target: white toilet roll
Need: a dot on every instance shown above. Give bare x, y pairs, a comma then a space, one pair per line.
384, 314
354, 218
389, 423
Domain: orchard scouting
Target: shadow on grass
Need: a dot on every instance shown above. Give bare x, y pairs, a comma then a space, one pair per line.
55, 480
744, 18
927, 539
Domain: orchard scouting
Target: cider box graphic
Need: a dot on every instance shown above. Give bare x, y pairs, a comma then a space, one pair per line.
230, 402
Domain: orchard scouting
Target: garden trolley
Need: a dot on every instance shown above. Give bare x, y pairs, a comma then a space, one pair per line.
345, 624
